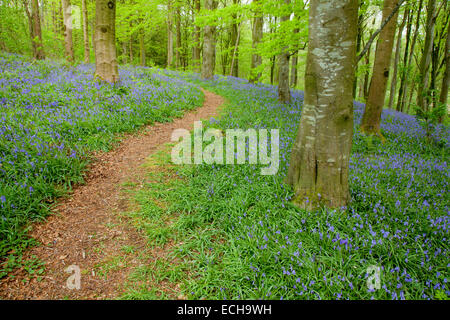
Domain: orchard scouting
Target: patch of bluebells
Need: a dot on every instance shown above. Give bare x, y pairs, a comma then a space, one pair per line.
398, 219
53, 117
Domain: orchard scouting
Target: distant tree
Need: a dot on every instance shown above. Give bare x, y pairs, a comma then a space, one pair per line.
85, 32
319, 165
257, 34
68, 43
284, 92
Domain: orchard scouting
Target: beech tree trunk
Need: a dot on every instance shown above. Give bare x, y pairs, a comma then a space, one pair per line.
68, 44
197, 46
284, 92
235, 40
169, 35
425, 61
36, 33
209, 45
87, 54
105, 41
398, 48
377, 90
178, 62
257, 34
142, 48
446, 79
294, 70
404, 88
319, 165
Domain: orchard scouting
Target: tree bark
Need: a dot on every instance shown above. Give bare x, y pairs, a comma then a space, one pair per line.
36, 33
178, 62
319, 165
403, 91
209, 45
105, 41
377, 90
87, 53
294, 70
68, 44
446, 79
197, 46
398, 48
169, 34
142, 48
425, 61
284, 92
235, 39
257, 34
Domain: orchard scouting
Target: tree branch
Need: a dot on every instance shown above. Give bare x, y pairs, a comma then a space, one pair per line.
385, 22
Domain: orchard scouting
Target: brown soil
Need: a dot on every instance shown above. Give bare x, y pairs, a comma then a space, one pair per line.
85, 229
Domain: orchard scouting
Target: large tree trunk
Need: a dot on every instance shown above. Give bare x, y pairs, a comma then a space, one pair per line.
398, 48
36, 33
197, 46
105, 41
68, 44
87, 53
257, 34
169, 34
319, 165
209, 45
446, 79
380, 75
284, 92
425, 61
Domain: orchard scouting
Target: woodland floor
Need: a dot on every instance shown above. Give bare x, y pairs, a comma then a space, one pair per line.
86, 229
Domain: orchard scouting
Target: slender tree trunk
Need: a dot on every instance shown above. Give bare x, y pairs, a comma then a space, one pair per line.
257, 34
398, 48
142, 48
209, 45
425, 61
446, 79
197, 45
68, 44
358, 45
380, 75
401, 104
36, 34
169, 35
178, 62
105, 41
284, 92
294, 70
87, 53
405, 60
319, 165
235, 39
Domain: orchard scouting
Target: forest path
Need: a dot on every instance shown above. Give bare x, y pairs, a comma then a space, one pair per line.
86, 229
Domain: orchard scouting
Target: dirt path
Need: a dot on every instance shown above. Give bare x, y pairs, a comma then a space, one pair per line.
85, 229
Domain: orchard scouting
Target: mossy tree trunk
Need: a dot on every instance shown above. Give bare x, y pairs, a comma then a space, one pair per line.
319, 165
68, 43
